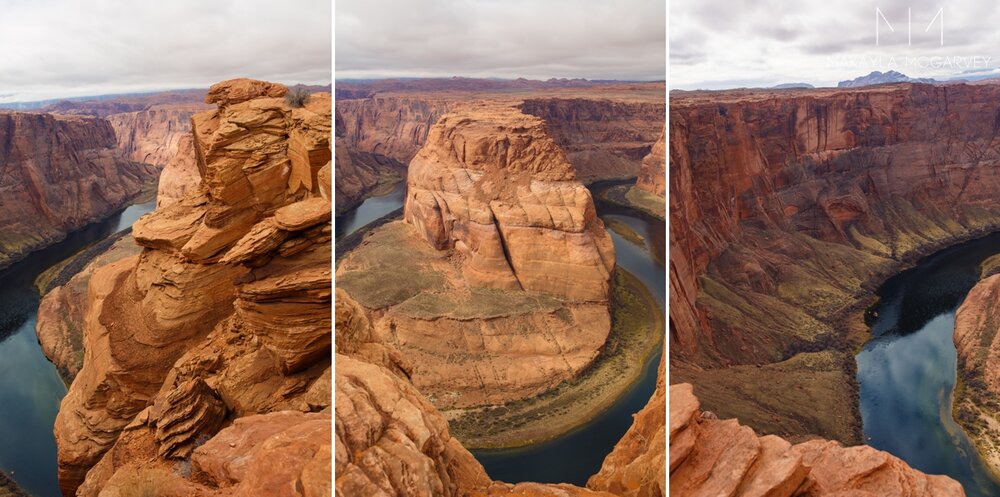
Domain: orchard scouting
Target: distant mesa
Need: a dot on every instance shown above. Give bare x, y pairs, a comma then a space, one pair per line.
788, 86
881, 78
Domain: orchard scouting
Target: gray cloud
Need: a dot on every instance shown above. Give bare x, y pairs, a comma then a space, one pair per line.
604, 39
743, 42
62, 48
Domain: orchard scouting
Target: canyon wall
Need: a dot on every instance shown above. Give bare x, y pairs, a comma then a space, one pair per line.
787, 208
709, 456
496, 286
653, 171
603, 139
206, 355
976, 325
60, 173
154, 135
358, 172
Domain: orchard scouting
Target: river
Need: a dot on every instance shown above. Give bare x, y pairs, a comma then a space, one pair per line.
30, 387
907, 370
575, 456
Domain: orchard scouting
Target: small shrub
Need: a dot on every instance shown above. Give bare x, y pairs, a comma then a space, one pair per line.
297, 97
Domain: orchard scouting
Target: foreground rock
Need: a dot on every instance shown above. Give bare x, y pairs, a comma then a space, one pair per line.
496, 286
392, 441
713, 457
211, 346
976, 325
787, 209
60, 174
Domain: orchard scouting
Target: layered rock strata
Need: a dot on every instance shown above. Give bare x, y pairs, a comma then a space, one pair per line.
154, 135
60, 174
787, 208
392, 441
211, 346
359, 173
709, 456
976, 324
653, 172
496, 286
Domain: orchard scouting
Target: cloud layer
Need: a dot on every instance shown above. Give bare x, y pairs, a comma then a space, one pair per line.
538, 39
61, 48
726, 43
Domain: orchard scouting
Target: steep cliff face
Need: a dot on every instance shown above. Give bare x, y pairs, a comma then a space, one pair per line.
393, 126
223, 316
154, 135
59, 174
496, 286
713, 457
604, 139
358, 173
976, 325
653, 172
786, 208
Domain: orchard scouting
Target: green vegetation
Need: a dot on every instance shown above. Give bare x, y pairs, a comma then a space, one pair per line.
297, 97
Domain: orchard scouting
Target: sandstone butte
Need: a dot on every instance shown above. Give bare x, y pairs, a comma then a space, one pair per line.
711, 457
206, 354
392, 441
976, 325
60, 174
787, 209
496, 285
605, 130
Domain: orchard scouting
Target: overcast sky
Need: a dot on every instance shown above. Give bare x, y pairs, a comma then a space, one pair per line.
61, 48
732, 43
537, 39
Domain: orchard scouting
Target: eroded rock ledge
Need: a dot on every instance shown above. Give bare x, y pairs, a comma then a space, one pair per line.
212, 344
496, 286
709, 456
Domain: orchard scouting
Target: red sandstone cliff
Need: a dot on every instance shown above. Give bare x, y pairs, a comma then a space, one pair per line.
786, 208
154, 135
60, 173
497, 284
713, 457
653, 172
212, 345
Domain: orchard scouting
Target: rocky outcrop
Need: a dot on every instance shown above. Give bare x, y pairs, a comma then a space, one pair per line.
179, 178
154, 135
493, 186
60, 174
603, 139
976, 325
653, 172
208, 324
786, 208
709, 456
637, 465
496, 286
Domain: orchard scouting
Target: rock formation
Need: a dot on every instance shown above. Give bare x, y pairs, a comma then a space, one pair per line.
976, 325
392, 441
787, 209
358, 173
60, 174
496, 286
223, 316
653, 173
709, 456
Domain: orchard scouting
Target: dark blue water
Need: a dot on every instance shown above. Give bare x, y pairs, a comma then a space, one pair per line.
30, 387
907, 371
371, 209
574, 457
